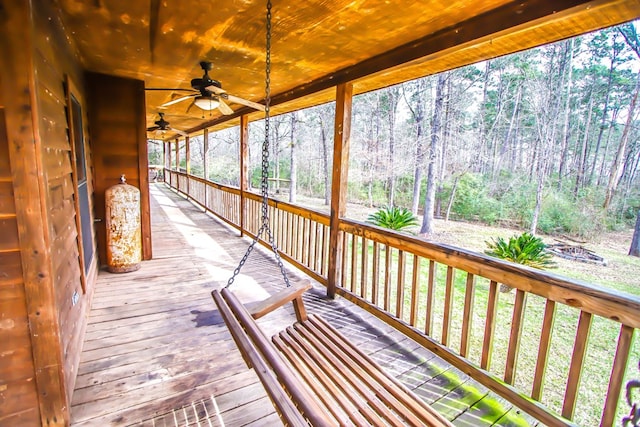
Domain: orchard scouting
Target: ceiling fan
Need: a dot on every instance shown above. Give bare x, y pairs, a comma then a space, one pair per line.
207, 94
162, 126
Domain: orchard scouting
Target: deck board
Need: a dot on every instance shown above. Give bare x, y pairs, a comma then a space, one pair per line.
156, 351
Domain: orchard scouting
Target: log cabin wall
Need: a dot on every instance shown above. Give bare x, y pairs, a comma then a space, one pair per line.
44, 288
54, 61
119, 146
18, 401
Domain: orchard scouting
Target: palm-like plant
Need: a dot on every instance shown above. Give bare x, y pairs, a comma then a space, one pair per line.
525, 249
393, 217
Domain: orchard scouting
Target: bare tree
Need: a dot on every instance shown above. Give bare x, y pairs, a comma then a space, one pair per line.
427, 228
416, 101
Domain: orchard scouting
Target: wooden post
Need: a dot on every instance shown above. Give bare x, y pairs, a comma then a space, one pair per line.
244, 157
18, 86
143, 174
205, 161
187, 155
187, 161
342, 137
205, 164
177, 164
177, 154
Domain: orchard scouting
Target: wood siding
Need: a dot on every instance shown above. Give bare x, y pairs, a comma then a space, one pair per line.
43, 302
53, 59
119, 146
16, 362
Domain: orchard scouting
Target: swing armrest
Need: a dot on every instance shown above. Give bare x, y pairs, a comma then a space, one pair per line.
291, 293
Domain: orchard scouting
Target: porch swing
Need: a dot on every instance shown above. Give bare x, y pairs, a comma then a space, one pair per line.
312, 374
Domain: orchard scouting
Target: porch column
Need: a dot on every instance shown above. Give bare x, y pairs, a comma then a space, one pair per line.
187, 161
187, 155
341, 140
205, 161
205, 164
244, 157
177, 164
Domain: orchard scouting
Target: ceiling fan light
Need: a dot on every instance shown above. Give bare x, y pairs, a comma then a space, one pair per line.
206, 102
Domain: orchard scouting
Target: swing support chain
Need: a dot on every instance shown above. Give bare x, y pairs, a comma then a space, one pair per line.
264, 228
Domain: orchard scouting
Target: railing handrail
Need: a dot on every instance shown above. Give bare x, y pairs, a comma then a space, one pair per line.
615, 305
618, 306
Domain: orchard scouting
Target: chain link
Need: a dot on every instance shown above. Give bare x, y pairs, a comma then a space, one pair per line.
264, 184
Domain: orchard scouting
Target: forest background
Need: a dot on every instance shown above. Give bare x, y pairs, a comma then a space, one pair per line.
546, 140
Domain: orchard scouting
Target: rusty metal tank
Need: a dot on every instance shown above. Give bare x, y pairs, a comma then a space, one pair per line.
124, 238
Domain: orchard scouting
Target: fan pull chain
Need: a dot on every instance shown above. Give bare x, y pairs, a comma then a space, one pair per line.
264, 183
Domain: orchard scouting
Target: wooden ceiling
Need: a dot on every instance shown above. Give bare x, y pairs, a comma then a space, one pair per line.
316, 44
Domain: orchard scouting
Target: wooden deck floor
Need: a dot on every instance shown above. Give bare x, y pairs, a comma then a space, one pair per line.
157, 353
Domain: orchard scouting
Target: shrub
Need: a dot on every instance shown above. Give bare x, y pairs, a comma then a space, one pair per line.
393, 217
525, 249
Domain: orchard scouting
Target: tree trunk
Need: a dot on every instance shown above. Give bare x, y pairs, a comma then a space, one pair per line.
325, 161
418, 112
634, 250
392, 103
567, 109
427, 228
602, 122
616, 168
582, 160
452, 197
538, 207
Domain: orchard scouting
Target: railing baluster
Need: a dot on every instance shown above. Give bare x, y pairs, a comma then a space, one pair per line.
345, 254
617, 374
448, 303
307, 249
325, 250
430, 294
354, 263
490, 326
376, 274
316, 239
467, 314
577, 360
400, 284
364, 270
387, 277
415, 290
514, 337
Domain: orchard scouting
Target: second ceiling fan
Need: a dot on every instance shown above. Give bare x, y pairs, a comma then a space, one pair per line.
207, 94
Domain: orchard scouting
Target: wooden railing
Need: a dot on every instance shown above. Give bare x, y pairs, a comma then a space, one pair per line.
449, 300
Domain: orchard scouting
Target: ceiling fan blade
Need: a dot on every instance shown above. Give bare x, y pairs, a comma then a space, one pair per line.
169, 88
235, 99
248, 103
152, 128
224, 108
181, 132
175, 101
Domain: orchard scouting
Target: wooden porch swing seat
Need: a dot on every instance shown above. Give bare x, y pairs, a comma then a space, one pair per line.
313, 375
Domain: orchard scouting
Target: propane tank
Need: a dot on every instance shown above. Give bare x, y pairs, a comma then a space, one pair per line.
124, 239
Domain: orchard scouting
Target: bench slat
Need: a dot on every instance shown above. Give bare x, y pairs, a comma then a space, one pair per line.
321, 384
278, 395
331, 359
361, 360
369, 406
